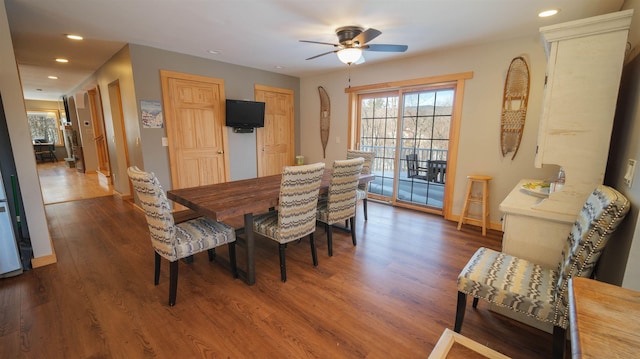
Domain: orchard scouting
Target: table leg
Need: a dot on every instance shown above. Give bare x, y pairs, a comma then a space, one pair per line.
250, 249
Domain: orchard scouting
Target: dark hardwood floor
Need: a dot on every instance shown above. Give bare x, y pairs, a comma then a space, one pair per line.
389, 297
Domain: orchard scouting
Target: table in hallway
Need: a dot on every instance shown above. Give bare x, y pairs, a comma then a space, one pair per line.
227, 200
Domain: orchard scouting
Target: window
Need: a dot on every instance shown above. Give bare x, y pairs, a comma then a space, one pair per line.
45, 127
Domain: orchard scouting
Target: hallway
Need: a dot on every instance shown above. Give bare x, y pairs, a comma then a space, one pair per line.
60, 183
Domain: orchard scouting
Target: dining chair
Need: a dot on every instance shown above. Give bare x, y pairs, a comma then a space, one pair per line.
538, 292
177, 241
363, 188
295, 217
340, 203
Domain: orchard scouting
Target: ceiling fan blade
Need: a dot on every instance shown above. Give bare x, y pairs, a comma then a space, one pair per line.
326, 53
366, 36
318, 42
386, 48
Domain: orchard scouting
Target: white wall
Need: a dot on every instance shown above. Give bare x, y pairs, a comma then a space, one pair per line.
479, 149
14, 108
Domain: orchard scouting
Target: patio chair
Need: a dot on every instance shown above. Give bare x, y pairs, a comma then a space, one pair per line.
413, 170
542, 293
176, 241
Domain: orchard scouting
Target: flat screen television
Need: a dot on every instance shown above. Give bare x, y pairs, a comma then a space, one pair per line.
245, 114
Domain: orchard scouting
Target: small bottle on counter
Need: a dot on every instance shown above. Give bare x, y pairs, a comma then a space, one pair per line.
560, 180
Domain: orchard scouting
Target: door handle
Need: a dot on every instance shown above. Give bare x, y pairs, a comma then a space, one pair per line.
220, 152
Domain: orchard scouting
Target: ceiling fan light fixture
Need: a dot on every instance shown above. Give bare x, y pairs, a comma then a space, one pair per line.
349, 55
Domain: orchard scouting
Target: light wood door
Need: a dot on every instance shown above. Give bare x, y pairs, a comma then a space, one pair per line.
194, 115
99, 133
275, 141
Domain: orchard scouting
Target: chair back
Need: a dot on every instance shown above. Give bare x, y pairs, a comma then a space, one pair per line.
341, 201
156, 208
412, 165
299, 191
366, 166
598, 219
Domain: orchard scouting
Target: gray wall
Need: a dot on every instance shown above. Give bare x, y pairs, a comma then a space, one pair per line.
239, 83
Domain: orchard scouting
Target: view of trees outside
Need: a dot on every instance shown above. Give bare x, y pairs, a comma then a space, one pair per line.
426, 118
44, 126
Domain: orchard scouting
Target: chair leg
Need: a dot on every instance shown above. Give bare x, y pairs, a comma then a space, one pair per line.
462, 303
173, 282
364, 207
475, 302
156, 275
212, 254
232, 259
314, 254
283, 267
329, 230
353, 230
559, 338
346, 223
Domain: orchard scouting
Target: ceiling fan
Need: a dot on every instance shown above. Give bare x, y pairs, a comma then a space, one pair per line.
352, 41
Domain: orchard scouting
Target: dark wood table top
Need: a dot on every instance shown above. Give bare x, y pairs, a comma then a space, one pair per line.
231, 199
603, 320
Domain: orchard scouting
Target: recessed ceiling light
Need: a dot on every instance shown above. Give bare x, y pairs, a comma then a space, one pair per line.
279, 67
38, 89
214, 52
547, 13
52, 77
62, 60
74, 37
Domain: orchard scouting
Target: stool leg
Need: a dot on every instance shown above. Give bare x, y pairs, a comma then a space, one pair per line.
466, 204
485, 206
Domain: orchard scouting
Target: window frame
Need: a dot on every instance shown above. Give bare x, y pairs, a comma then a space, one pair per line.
46, 112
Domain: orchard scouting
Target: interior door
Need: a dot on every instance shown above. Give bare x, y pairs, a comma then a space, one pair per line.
275, 141
99, 133
194, 116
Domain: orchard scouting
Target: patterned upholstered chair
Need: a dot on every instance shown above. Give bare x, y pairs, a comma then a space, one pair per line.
538, 292
296, 214
363, 188
176, 241
340, 203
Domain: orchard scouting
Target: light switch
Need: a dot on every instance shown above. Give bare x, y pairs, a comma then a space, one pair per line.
628, 175
165, 142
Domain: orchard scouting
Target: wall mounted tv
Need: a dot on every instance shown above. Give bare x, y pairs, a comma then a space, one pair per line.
244, 116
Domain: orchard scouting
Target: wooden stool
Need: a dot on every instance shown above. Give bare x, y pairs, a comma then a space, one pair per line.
483, 199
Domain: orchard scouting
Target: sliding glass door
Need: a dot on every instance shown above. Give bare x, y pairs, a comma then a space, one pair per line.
399, 124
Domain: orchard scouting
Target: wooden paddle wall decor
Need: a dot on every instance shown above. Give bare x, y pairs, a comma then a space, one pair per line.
514, 106
325, 119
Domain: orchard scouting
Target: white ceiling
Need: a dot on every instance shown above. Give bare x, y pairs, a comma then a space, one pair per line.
262, 34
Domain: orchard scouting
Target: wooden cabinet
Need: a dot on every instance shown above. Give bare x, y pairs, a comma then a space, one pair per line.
584, 66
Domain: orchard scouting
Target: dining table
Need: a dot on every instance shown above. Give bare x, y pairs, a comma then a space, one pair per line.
227, 200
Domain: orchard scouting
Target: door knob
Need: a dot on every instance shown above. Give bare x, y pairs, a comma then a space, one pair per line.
220, 152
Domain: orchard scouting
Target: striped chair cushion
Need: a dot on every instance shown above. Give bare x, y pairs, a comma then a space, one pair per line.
341, 201
200, 234
296, 214
510, 282
169, 240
